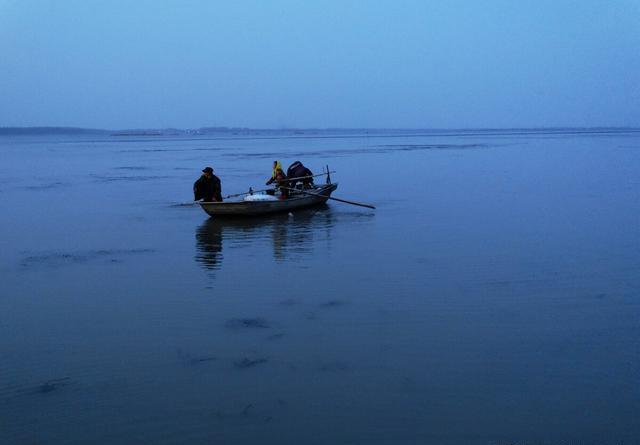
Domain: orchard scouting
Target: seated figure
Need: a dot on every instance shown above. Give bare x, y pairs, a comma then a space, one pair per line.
207, 188
278, 176
304, 175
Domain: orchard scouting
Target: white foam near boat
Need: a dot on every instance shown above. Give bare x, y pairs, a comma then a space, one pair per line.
260, 197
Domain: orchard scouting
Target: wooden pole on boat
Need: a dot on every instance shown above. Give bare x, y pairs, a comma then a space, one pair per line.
331, 197
250, 192
311, 176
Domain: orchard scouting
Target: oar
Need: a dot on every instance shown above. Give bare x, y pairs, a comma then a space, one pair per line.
331, 197
311, 176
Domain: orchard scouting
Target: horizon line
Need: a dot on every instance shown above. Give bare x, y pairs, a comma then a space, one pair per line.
237, 128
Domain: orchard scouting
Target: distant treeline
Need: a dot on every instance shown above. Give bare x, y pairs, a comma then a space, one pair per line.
35, 131
243, 131
49, 130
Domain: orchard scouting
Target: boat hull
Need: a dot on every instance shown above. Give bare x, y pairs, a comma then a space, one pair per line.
254, 208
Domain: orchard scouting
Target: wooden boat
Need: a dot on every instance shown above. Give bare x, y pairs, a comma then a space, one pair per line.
314, 196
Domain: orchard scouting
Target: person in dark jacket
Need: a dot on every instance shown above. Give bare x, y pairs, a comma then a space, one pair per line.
297, 170
208, 187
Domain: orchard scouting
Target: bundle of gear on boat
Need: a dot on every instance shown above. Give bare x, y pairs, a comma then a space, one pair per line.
208, 187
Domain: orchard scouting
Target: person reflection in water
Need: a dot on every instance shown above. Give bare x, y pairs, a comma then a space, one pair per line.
209, 245
208, 187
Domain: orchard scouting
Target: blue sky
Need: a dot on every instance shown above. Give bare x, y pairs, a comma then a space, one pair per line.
391, 64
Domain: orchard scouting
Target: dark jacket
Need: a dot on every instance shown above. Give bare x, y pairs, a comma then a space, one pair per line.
297, 170
207, 189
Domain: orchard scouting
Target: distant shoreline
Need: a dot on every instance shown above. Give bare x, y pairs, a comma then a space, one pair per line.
237, 131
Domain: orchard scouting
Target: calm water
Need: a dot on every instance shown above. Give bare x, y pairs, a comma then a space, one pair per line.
492, 298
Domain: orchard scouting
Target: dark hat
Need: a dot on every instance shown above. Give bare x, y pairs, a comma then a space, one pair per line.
207, 170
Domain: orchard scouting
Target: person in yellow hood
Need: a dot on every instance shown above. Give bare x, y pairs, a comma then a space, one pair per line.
278, 176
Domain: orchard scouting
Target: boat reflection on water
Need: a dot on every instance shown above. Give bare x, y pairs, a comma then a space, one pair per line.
289, 235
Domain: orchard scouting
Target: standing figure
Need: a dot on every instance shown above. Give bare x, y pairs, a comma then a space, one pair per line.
208, 187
